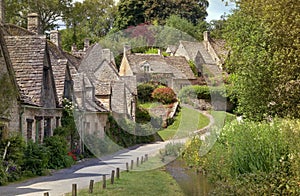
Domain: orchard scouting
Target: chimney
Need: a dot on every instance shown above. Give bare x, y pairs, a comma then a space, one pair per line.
33, 23
55, 37
206, 36
106, 54
2, 15
74, 48
127, 49
86, 44
159, 51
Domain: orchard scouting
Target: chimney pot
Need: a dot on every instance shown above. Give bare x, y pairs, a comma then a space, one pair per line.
206, 36
86, 44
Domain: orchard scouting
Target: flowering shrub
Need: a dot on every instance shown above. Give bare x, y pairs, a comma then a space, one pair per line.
164, 95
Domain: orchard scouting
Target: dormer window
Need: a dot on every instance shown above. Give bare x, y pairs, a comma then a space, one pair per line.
146, 67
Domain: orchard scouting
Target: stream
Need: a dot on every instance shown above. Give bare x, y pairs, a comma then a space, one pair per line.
191, 182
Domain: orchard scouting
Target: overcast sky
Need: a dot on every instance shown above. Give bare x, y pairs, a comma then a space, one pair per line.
215, 10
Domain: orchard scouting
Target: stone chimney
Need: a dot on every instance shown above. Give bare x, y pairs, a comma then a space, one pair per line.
55, 37
106, 54
159, 52
86, 44
74, 48
206, 36
2, 8
127, 49
33, 23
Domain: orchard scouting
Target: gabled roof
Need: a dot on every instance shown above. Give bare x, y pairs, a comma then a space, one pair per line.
28, 55
177, 66
171, 49
219, 46
192, 49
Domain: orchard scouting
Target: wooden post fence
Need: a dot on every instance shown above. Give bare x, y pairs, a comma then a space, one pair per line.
91, 187
118, 173
104, 181
74, 189
127, 167
112, 178
137, 161
142, 160
131, 166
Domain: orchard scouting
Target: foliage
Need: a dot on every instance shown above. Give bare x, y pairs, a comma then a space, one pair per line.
144, 92
164, 95
171, 150
134, 12
58, 149
193, 67
89, 19
50, 11
142, 115
36, 158
254, 158
191, 152
7, 95
264, 42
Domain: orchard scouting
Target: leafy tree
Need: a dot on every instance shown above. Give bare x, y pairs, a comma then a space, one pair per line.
134, 12
264, 40
50, 11
91, 18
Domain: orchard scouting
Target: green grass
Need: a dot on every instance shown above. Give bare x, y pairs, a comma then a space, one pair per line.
222, 117
149, 105
152, 182
187, 121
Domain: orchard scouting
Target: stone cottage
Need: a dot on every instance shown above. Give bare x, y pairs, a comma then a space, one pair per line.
118, 94
35, 112
173, 71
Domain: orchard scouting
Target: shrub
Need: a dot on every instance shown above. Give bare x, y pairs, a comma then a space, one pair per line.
144, 92
36, 158
142, 115
58, 150
193, 67
164, 95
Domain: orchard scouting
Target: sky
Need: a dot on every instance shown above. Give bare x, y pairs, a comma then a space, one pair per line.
215, 10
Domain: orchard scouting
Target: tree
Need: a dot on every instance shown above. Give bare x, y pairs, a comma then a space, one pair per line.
50, 11
134, 12
264, 40
91, 19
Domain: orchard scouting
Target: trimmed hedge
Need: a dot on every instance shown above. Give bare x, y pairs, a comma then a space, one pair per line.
164, 95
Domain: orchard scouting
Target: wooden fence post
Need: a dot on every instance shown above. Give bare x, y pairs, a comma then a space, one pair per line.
137, 161
118, 173
91, 188
146, 157
112, 178
131, 166
74, 189
104, 181
142, 160
127, 167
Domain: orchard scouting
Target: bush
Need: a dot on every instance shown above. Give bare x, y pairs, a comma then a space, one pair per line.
142, 115
58, 150
254, 158
36, 158
164, 95
144, 92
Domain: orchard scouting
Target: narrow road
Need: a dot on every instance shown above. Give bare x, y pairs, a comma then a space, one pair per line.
60, 182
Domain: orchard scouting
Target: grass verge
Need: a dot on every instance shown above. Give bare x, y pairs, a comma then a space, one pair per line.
186, 121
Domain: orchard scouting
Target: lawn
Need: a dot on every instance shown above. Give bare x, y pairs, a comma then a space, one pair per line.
151, 182
187, 121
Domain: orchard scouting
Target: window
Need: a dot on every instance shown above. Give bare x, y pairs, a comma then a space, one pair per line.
146, 68
47, 126
29, 128
57, 121
38, 129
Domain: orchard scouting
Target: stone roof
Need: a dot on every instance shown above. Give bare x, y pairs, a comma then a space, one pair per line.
171, 49
219, 46
103, 88
192, 49
27, 54
178, 66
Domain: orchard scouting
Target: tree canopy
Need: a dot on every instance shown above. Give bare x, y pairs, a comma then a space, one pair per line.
50, 11
263, 37
134, 12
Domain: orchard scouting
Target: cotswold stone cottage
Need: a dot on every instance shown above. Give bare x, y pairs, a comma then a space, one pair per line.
35, 112
118, 94
174, 71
